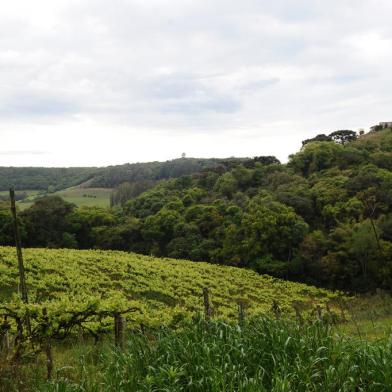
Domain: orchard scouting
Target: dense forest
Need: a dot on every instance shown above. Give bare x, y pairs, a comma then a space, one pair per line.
325, 217
43, 178
54, 179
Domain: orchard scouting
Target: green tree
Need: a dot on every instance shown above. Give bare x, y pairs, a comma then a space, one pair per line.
226, 185
48, 223
85, 220
6, 228
158, 229
271, 229
315, 157
343, 136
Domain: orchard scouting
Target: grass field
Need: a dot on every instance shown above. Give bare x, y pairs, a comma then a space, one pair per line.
370, 318
31, 195
92, 197
261, 355
99, 197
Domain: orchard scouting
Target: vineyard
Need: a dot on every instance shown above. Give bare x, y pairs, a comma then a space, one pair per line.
162, 291
246, 340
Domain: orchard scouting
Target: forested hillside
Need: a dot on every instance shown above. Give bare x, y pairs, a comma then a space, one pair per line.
43, 178
54, 179
324, 218
113, 176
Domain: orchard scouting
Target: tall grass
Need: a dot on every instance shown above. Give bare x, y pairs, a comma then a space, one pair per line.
263, 355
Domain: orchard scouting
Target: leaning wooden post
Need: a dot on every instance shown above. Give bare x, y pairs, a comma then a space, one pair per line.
207, 306
275, 308
319, 312
298, 314
119, 330
18, 243
241, 313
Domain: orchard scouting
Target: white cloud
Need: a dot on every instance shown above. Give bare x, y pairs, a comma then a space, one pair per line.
94, 82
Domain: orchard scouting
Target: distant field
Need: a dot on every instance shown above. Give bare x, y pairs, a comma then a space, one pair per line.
99, 197
28, 201
30, 193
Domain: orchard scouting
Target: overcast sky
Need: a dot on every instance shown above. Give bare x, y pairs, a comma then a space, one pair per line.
107, 82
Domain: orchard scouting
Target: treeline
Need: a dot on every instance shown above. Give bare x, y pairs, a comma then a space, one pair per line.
54, 179
114, 176
43, 178
136, 185
324, 218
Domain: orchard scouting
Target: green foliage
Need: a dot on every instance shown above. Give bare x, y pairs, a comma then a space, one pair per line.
270, 229
129, 190
164, 290
254, 213
137, 173
263, 355
42, 178
49, 223
319, 138
54, 179
226, 184
315, 157
6, 230
343, 136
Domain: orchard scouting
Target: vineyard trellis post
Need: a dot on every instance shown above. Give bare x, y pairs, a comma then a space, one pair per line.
207, 306
18, 243
298, 314
241, 312
276, 308
119, 330
319, 312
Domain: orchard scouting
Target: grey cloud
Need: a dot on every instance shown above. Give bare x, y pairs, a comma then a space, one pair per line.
189, 95
23, 152
37, 105
184, 64
203, 104
257, 85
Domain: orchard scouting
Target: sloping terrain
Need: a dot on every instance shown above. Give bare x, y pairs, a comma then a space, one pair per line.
164, 290
54, 179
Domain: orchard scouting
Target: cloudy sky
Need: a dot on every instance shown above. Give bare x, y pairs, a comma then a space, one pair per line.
94, 82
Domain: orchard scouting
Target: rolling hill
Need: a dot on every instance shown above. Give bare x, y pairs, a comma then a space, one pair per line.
164, 290
55, 179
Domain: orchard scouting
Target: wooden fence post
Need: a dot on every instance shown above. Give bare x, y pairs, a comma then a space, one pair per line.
207, 306
298, 314
319, 312
241, 312
276, 309
18, 243
119, 331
